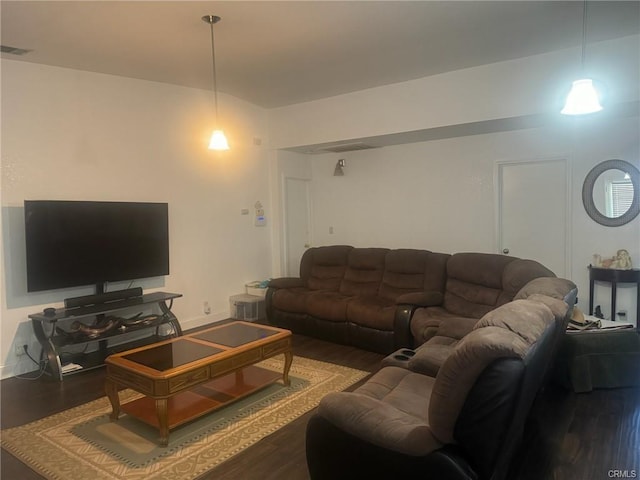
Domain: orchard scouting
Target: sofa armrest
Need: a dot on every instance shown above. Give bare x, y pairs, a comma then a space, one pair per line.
429, 358
406, 306
274, 285
402, 337
421, 299
286, 282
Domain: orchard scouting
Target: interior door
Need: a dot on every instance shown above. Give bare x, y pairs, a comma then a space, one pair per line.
533, 216
297, 213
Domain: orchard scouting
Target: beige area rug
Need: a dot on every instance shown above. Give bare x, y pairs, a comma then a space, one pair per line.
81, 443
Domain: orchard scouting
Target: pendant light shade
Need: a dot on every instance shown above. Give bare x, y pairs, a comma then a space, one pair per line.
583, 97
218, 139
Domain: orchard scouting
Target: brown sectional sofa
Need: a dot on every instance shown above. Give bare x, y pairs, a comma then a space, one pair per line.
382, 299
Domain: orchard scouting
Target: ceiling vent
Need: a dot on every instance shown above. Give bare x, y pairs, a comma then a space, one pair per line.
348, 147
13, 50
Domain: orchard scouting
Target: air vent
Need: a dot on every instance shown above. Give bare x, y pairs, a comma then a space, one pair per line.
348, 147
13, 50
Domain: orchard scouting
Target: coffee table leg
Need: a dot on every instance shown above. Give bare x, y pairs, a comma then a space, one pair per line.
162, 411
288, 359
111, 389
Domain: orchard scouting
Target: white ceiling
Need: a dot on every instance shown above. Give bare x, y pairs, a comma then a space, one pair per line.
279, 53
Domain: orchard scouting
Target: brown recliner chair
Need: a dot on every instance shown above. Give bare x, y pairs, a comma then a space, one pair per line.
462, 424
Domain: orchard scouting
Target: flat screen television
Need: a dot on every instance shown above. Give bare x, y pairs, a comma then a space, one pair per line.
78, 243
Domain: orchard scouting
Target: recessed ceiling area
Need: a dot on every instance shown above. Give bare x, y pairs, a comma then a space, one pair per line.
274, 54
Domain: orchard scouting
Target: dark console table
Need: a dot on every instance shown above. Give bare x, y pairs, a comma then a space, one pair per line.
55, 330
614, 276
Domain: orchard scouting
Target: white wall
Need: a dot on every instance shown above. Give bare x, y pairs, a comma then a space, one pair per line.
75, 135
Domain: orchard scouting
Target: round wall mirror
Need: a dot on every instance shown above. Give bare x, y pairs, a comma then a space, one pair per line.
611, 193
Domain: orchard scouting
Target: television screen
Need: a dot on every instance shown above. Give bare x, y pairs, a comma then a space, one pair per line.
76, 243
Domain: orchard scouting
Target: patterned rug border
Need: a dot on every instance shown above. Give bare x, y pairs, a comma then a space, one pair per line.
38, 443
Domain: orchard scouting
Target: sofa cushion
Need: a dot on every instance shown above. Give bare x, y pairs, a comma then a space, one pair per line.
372, 312
331, 306
479, 282
390, 410
408, 270
519, 273
364, 271
426, 322
474, 283
457, 327
323, 268
292, 300
502, 334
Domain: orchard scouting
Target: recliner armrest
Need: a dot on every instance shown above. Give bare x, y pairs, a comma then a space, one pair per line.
286, 282
406, 306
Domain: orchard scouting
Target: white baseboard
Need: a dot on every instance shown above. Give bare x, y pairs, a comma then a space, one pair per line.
202, 320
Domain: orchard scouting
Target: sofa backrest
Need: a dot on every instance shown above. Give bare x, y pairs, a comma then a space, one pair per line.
480, 282
409, 270
365, 267
373, 271
323, 268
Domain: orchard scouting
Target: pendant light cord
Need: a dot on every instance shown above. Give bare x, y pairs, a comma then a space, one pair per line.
584, 32
213, 70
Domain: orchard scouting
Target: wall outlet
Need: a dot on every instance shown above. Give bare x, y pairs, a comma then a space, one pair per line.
206, 308
19, 349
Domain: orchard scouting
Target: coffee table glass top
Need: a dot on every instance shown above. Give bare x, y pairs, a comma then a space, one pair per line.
235, 334
171, 355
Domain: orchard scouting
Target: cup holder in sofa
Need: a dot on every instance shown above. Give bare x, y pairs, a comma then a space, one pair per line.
399, 358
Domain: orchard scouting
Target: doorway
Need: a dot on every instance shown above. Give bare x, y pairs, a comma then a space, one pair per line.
297, 221
533, 212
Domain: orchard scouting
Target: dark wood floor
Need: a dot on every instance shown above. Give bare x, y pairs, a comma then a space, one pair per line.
570, 437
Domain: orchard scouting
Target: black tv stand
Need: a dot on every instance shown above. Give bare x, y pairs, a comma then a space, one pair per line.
109, 326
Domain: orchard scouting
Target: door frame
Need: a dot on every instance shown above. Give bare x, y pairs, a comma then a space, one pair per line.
498, 197
285, 219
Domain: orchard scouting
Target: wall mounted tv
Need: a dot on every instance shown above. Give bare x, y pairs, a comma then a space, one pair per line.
77, 243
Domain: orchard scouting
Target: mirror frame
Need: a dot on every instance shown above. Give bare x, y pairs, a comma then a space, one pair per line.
587, 193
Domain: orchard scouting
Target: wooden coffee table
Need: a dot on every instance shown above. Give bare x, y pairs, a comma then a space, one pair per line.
189, 376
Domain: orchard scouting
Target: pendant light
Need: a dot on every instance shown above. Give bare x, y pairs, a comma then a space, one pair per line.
218, 140
583, 97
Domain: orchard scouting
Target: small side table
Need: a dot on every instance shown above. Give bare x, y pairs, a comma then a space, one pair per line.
614, 276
